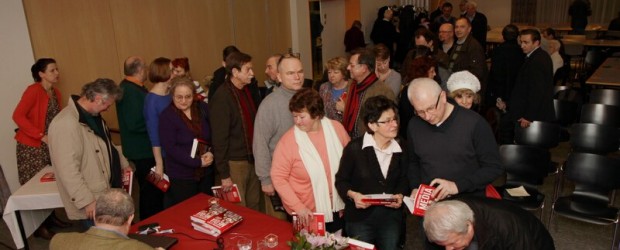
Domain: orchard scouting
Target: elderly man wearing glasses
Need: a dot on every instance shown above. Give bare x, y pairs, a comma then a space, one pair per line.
449, 146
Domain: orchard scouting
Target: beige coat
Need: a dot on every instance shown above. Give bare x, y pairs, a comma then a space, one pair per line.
376, 89
80, 160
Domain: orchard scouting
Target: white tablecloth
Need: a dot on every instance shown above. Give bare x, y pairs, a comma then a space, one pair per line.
35, 200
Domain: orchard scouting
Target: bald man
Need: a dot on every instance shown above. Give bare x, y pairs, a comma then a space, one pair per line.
134, 137
273, 119
449, 146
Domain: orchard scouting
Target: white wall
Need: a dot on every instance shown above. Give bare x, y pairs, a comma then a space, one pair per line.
300, 33
334, 27
17, 55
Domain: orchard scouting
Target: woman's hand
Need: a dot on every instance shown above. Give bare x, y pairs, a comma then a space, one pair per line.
397, 203
159, 172
304, 216
44, 139
357, 198
206, 159
340, 105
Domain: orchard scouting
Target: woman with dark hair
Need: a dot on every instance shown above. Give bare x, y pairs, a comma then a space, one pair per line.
373, 164
419, 63
306, 160
183, 124
155, 102
180, 67
33, 115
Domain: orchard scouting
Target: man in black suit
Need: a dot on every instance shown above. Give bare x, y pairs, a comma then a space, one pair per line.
506, 60
532, 96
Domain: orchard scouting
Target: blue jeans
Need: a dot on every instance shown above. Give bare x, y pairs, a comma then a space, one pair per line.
382, 228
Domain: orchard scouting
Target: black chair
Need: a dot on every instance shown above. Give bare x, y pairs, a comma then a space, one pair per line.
566, 113
525, 166
539, 134
594, 138
595, 177
605, 96
601, 114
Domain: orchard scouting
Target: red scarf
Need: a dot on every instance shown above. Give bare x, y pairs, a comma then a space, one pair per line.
247, 107
353, 105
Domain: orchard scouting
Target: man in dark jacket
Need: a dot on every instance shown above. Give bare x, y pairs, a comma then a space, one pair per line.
532, 96
480, 223
354, 37
505, 63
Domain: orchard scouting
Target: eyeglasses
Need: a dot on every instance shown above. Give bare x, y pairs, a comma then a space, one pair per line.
393, 120
429, 110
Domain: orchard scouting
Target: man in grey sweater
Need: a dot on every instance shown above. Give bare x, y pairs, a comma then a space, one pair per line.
273, 119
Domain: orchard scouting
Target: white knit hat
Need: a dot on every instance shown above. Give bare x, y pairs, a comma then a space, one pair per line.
463, 80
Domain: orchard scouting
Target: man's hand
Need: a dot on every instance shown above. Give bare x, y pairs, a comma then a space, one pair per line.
524, 123
44, 139
340, 105
501, 105
268, 189
227, 184
397, 203
90, 210
445, 188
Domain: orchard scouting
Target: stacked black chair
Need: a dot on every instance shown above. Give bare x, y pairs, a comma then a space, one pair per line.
595, 177
601, 114
566, 113
605, 96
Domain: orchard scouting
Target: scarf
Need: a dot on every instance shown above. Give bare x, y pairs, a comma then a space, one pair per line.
247, 107
354, 103
195, 126
314, 166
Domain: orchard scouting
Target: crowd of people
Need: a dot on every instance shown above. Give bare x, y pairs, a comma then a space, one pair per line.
374, 127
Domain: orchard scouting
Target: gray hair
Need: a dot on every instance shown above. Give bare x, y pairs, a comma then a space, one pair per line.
422, 86
472, 4
114, 207
446, 217
133, 65
102, 86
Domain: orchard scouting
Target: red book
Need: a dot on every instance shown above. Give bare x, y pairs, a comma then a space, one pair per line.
48, 177
127, 180
359, 245
379, 199
163, 184
232, 196
316, 225
215, 221
419, 204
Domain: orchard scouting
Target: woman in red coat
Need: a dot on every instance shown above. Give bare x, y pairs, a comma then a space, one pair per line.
33, 114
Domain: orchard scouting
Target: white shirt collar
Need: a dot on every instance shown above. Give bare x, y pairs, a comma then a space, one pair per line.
369, 141
528, 54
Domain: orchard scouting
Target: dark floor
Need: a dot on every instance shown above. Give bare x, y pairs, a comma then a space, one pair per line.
568, 234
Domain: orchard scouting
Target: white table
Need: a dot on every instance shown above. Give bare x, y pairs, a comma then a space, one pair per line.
34, 201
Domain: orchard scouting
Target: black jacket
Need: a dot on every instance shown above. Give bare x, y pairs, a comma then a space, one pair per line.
360, 171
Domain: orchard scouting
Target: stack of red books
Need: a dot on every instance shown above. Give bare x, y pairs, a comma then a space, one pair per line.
315, 226
215, 220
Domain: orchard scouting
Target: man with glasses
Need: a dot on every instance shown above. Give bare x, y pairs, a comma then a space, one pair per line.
365, 84
273, 119
450, 147
446, 36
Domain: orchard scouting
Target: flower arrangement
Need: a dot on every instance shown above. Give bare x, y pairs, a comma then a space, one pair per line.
307, 241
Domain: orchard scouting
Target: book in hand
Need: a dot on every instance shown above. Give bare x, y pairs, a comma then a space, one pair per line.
163, 184
315, 226
215, 220
359, 245
421, 201
48, 177
230, 196
379, 199
127, 180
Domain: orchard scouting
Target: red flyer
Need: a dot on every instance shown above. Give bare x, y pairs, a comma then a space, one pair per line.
48, 177
316, 225
215, 221
230, 196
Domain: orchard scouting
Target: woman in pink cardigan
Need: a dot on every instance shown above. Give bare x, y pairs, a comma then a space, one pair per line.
306, 160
